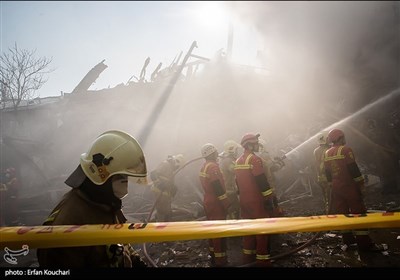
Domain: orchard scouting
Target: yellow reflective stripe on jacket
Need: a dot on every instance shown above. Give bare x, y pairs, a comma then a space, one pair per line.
220, 255
267, 192
321, 164
361, 232
322, 179
262, 257
358, 179
246, 164
337, 156
157, 190
52, 216
249, 252
221, 197
211, 249
204, 173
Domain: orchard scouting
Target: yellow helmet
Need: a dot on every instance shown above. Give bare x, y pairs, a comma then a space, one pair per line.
231, 147
114, 152
208, 149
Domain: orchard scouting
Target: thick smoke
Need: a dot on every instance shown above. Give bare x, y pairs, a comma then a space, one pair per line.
328, 51
326, 60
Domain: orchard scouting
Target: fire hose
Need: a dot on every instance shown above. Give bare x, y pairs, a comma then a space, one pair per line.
154, 206
290, 252
301, 247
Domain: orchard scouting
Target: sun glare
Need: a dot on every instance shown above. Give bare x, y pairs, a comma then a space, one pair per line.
211, 14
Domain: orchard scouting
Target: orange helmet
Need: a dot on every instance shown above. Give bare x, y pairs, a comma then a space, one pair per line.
334, 135
249, 138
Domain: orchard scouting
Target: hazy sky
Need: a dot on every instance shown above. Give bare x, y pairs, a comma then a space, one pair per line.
78, 35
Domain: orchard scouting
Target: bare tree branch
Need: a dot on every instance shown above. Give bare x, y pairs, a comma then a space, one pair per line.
22, 74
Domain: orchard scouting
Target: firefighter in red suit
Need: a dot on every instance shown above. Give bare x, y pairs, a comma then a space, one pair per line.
347, 184
216, 202
256, 199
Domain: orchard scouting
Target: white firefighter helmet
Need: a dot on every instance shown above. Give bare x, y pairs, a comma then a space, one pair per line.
263, 145
179, 160
208, 149
322, 138
114, 152
231, 147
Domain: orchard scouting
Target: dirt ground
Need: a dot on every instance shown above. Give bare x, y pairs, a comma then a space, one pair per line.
327, 250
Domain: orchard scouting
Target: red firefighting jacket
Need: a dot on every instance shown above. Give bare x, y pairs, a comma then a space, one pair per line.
247, 168
215, 200
341, 169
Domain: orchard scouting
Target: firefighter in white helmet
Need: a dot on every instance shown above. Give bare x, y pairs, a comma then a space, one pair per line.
227, 165
164, 186
99, 183
216, 202
319, 156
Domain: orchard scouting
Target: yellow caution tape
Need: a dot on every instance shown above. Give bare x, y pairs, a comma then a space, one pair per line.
88, 235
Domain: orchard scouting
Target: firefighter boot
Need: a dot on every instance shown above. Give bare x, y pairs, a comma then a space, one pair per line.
263, 263
221, 261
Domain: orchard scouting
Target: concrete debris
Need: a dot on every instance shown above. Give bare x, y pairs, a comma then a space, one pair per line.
330, 235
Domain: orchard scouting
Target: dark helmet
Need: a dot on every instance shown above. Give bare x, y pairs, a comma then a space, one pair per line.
249, 138
334, 135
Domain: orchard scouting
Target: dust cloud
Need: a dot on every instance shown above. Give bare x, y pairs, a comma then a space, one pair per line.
325, 61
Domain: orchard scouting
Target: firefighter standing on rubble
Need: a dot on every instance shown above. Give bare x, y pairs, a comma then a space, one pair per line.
256, 198
216, 202
99, 183
347, 184
227, 165
164, 186
270, 167
319, 156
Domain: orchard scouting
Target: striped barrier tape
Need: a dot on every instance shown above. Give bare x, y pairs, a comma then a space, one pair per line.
88, 235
